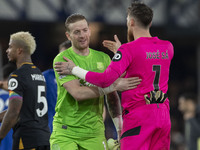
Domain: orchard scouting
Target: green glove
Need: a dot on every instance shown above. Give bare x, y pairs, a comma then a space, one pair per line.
113, 144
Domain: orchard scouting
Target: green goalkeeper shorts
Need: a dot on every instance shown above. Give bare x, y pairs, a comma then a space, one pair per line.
62, 141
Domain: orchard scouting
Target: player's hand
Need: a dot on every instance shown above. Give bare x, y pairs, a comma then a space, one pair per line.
113, 144
4, 85
123, 84
1, 84
64, 68
112, 45
155, 97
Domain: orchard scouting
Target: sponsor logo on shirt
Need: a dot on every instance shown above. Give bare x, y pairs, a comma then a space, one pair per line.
12, 84
117, 56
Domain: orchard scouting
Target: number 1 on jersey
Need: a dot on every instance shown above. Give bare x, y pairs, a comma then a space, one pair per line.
156, 68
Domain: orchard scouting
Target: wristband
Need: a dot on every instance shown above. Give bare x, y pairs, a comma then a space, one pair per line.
105, 91
79, 72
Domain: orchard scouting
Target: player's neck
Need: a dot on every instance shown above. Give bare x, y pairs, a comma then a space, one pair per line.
83, 52
141, 33
22, 61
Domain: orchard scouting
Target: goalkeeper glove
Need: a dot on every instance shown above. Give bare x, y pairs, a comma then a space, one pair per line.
113, 144
155, 97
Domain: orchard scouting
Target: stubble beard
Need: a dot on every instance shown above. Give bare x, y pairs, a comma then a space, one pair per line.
130, 36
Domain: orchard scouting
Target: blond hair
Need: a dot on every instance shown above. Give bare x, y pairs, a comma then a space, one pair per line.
27, 39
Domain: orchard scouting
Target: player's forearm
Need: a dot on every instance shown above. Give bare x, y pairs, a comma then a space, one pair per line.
85, 93
2, 115
103, 80
8, 122
114, 108
114, 105
4, 85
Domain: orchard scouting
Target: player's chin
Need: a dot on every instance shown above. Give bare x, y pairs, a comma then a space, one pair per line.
84, 46
9, 58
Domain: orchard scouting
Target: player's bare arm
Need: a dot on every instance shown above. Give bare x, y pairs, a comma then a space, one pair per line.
81, 92
2, 115
123, 84
4, 85
87, 92
11, 116
115, 111
112, 45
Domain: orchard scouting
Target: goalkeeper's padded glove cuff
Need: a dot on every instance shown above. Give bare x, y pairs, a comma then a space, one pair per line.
155, 97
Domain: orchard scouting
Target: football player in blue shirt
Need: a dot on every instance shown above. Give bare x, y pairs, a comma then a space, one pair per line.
6, 143
52, 87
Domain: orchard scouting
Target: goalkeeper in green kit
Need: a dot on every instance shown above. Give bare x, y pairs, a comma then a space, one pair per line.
78, 122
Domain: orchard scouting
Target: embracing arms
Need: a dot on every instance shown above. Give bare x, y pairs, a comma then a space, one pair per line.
86, 92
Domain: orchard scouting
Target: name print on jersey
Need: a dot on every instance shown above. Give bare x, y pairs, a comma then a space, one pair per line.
38, 77
157, 55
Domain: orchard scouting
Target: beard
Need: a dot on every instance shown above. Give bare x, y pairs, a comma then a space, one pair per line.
130, 36
13, 61
80, 46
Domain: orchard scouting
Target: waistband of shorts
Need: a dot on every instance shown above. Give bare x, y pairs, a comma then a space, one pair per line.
141, 104
58, 127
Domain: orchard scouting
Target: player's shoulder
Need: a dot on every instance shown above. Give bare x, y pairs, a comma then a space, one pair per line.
3, 92
98, 53
48, 74
17, 73
48, 71
165, 41
25, 70
67, 53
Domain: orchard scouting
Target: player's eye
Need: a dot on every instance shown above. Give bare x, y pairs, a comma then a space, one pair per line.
76, 32
85, 30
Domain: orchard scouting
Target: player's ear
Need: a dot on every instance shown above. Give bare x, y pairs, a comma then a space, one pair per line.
68, 35
150, 24
132, 22
19, 50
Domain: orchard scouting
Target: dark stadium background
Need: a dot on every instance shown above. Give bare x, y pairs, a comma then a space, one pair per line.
175, 20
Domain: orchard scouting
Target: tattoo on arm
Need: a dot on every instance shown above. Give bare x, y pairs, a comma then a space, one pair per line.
113, 104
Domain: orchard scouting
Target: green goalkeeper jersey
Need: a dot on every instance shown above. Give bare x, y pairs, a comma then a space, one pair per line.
80, 117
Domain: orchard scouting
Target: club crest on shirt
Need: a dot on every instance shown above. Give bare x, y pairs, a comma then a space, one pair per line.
100, 66
117, 56
12, 84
